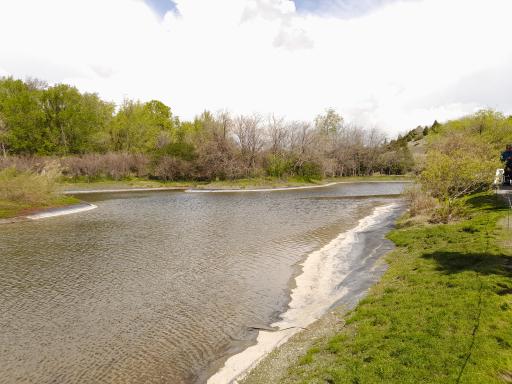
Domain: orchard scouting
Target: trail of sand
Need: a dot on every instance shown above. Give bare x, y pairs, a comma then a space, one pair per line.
316, 291
61, 211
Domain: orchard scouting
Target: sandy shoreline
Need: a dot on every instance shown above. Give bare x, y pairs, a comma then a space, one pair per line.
51, 212
340, 273
120, 190
68, 210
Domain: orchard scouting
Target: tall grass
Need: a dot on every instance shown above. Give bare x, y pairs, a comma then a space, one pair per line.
26, 187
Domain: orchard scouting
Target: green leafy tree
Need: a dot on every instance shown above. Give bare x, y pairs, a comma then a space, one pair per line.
73, 119
3, 137
142, 127
23, 120
457, 165
329, 123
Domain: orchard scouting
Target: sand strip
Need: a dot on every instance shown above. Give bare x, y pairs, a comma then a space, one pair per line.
54, 212
318, 288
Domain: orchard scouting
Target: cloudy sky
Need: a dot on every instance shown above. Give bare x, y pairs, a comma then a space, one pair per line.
391, 64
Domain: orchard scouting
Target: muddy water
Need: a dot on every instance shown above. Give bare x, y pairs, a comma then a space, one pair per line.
160, 287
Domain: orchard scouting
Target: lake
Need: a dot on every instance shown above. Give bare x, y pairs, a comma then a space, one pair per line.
162, 287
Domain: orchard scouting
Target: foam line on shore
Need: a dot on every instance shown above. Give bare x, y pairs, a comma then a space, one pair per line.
61, 211
259, 189
277, 189
122, 190
317, 289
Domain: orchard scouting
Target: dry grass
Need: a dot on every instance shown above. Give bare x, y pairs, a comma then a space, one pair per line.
420, 202
28, 187
24, 191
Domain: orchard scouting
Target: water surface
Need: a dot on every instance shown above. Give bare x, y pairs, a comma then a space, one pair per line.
159, 287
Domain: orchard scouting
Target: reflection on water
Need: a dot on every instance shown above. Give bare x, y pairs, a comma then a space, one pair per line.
156, 287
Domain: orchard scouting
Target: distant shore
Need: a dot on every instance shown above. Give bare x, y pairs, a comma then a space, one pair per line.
253, 184
66, 202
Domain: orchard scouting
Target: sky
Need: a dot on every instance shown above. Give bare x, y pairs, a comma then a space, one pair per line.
387, 64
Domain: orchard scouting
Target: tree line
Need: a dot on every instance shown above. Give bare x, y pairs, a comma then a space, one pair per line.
95, 138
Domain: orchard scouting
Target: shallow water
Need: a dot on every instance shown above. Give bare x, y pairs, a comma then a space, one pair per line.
159, 287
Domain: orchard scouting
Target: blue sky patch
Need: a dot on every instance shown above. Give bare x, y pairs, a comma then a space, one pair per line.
162, 6
340, 8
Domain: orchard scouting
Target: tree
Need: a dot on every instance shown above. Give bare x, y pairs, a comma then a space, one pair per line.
24, 131
249, 137
73, 119
3, 137
329, 123
457, 165
142, 127
277, 133
435, 126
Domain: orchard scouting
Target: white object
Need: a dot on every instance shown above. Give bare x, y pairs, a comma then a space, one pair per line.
498, 179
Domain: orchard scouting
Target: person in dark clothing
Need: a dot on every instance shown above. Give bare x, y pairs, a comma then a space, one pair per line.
506, 157
507, 154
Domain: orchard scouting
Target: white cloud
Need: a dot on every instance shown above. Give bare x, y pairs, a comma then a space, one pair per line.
404, 64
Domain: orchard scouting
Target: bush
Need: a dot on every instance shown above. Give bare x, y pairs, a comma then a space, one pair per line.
449, 176
171, 168
309, 170
25, 163
277, 166
115, 166
445, 212
420, 202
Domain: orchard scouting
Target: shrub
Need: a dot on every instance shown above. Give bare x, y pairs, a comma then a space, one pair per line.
25, 163
171, 168
444, 213
277, 166
309, 170
420, 202
28, 187
449, 176
110, 165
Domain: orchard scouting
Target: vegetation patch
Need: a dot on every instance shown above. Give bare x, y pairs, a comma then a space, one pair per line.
22, 192
441, 313
94, 139
9, 209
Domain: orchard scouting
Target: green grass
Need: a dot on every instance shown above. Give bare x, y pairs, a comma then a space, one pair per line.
9, 209
441, 314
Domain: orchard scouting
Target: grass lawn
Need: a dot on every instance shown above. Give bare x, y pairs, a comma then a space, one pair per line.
441, 314
9, 209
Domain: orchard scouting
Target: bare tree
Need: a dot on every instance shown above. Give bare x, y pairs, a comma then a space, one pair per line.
374, 141
225, 121
277, 133
301, 138
249, 136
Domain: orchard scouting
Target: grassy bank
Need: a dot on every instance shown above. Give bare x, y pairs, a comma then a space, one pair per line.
441, 314
10, 209
25, 192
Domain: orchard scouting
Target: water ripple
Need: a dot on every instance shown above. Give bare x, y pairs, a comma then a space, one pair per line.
158, 288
